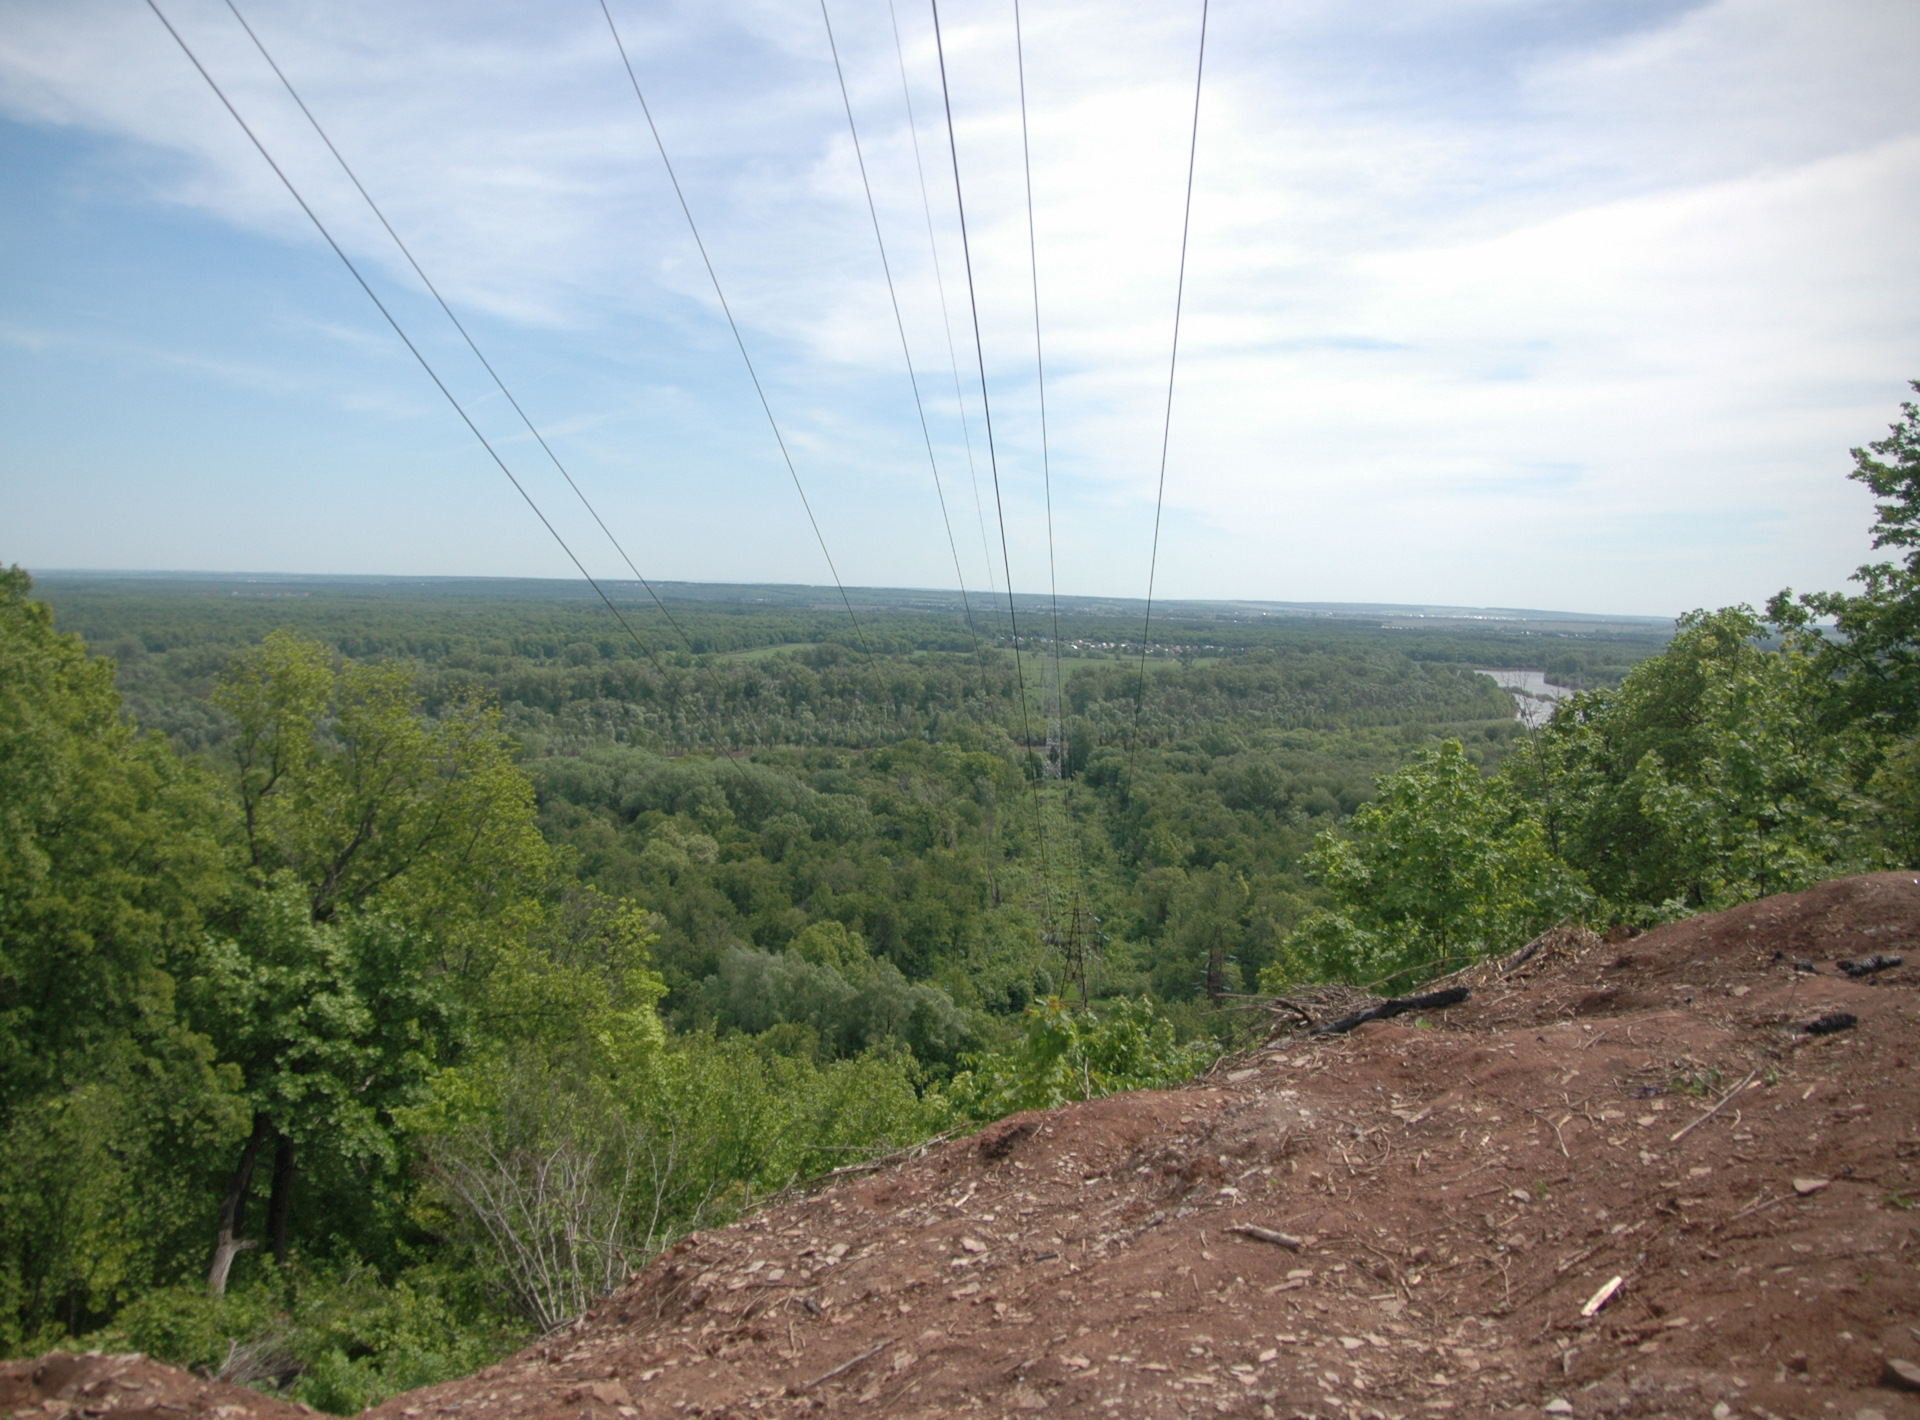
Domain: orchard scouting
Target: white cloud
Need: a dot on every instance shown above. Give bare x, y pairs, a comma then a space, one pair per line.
1482, 296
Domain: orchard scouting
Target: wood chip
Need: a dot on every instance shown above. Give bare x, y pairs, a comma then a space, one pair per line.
1600, 1298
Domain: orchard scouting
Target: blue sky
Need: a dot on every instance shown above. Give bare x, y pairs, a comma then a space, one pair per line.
1547, 304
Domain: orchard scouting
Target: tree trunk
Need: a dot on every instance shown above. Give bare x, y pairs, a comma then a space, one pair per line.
1217, 966
281, 1201
233, 1208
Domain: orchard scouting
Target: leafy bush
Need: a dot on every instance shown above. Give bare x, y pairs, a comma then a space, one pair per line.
1443, 867
339, 1339
1076, 1055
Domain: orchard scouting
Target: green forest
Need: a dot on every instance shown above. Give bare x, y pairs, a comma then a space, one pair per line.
388, 968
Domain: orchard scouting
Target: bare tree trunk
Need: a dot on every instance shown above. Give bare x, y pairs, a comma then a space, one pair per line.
233, 1207
280, 1203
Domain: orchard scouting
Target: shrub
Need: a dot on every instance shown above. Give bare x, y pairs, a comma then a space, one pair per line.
1076, 1055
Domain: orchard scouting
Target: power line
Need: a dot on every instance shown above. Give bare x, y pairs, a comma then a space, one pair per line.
1173, 362
346, 167
1039, 361
732, 324
986, 409
465, 335
979, 348
406, 340
940, 285
1056, 726
905, 351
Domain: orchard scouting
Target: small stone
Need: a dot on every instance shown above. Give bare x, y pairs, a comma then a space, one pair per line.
1559, 1405
1902, 1375
1805, 1186
973, 1245
1722, 1410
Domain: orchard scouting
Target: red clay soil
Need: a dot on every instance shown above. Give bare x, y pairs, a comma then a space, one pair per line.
57, 1386
1464, 1188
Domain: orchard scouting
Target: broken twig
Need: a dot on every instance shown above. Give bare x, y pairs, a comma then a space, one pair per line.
1759, 1207
841, 1369
1694, 1124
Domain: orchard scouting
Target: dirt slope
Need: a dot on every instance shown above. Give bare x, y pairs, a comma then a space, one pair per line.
1461, 1186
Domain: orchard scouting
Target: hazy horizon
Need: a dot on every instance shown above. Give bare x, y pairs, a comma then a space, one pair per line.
683, 589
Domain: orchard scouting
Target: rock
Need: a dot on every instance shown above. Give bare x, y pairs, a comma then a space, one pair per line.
1559, 1405
1901, 1375
1805, 1186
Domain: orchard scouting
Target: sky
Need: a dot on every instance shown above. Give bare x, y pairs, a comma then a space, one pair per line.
1565, 303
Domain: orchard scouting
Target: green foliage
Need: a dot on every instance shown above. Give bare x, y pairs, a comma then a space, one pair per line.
1872, 651
331, 1025
849, 1002
109, 862
1442, 868
345, 784
340, 1339
1706, 778
1064, 1054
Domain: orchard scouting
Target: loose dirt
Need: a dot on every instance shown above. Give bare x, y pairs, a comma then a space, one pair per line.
1623, 1179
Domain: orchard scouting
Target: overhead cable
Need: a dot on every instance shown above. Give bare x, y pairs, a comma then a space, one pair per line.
986, 409
458, 325
1056, 723
940, 285
980, 355
425, 280
398, 330
733, 325
1173, 363
1039, 360
900, 325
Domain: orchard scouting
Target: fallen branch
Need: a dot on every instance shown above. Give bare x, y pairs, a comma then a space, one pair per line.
1268, 1235
841, 1369
1397, 1006
1759, 1207
1692, 1125
1558, 1138
1526, 954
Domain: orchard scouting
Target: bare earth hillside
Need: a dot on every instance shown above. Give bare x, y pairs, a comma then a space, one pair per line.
1461, 1190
